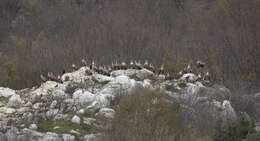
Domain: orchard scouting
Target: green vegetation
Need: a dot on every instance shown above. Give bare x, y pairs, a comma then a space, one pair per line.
65, 126
4, 99
238, 130
145, 115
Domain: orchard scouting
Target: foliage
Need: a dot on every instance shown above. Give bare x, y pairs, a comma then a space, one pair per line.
145, 115
237, 130
65, 127
10, 68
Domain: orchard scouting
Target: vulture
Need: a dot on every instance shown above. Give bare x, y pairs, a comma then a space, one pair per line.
131, 66
74, 67
84, 62
43, 78
161, 70
146, 65
123, 66
200, 64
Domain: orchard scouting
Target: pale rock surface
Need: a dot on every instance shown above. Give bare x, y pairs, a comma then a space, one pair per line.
6, 92
83, 98
90, 137
15, 101
106, 112
189, 77
75, 119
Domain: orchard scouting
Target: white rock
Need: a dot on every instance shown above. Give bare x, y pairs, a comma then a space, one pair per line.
144, 73
22, 110
74, 132
6, 92
53, 104
128, 72
101, 78
7, 110
90, 137
77, 76
33, 127
60, 116
121, 83
37, 106
189, 77
161, 77
88, 121
228, 110
106, 112
75, 119
83, 98
15, 101
68, 137
257, 97
52, 113
56, 127
28, 104
81, 111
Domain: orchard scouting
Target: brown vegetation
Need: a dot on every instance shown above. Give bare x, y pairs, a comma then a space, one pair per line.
49, 35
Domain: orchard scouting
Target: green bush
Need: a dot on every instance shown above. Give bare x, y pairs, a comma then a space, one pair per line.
253, 137
10, 68
237, 130
145, 116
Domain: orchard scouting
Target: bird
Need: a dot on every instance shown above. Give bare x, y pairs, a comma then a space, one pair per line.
188, 69
168, 76
199, 77
93, 66
43, 78
146, 65
74, 67
131, 65
161, 70
123, 66
117, 66
200, 64
206, 77
152, 68
109, 69
138, 65
84, 62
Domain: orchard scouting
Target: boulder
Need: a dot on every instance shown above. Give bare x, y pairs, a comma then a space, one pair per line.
51, 113
83, 98
128, 72
106, 112
90, 137
189, 77
144, 74
102, 79
257, 97
15, 101
76, 76
68, 137
75, 119
89, 121
6, 110
6, 92
33, 127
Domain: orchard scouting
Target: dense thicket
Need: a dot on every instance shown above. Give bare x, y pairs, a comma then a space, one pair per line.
38, 36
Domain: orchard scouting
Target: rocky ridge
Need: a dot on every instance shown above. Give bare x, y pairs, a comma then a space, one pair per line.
75, 109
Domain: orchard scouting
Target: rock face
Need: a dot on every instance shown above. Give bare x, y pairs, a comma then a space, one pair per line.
53, 112
15, 101
6, 92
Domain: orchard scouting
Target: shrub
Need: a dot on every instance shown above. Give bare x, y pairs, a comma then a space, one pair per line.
145, 115
237, 130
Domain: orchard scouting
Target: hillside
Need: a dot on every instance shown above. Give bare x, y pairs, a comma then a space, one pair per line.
40, 36
83, 106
